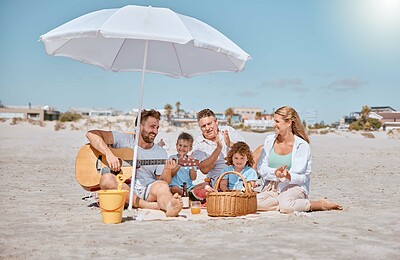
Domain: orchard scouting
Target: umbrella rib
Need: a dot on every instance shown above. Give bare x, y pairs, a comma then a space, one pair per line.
61, 46
177, 57
116, 56
228, 57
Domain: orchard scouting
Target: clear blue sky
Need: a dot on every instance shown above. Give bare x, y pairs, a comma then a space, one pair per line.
331, 56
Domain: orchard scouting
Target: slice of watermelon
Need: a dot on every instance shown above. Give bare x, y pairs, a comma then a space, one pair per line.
198, 195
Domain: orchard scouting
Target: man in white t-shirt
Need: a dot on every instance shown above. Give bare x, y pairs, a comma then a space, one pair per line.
213, 145
151, 186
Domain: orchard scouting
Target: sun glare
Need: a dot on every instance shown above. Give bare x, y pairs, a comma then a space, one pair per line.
366, 27
385, 14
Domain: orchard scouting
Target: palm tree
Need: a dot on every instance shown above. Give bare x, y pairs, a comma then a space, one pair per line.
178, 108
168, 111
229, 113
365, 114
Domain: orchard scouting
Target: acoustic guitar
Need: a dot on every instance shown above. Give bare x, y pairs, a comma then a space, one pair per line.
90, 163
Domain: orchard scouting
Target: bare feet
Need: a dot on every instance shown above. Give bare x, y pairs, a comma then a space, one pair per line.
324, 204
329, 205
175, 207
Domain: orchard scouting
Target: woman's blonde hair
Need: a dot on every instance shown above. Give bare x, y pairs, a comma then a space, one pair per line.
289, 114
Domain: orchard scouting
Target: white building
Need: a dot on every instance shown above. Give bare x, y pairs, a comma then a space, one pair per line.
259, 124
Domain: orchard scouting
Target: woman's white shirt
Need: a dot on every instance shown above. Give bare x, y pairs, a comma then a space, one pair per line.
301, 164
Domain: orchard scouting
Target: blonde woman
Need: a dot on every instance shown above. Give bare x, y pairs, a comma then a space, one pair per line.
286, 166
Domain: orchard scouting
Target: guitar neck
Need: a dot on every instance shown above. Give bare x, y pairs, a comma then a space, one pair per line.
151, 162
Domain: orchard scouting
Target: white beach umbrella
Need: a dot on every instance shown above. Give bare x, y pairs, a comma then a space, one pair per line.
145, 39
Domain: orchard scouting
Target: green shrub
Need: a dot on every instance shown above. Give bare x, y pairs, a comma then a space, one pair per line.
355, 126
374, 123
366, 124
70, 117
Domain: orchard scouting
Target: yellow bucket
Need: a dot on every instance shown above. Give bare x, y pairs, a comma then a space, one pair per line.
112, 204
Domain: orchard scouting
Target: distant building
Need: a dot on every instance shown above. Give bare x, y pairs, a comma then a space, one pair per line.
95, 112
384, 109
354, 116
390, 120
389, 117
181, 122
41, 113
221, 118
236, 119
375, 116
101, 113
259, 124
185, 118
247, 113
267, 117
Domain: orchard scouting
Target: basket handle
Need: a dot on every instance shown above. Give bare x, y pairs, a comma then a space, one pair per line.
246, 185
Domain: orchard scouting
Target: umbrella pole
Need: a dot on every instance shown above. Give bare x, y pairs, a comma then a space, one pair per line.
137, 131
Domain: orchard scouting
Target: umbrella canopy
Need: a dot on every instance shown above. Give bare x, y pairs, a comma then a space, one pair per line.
114, 39
145, 39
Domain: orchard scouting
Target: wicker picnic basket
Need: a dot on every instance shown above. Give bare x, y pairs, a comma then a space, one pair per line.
231, 203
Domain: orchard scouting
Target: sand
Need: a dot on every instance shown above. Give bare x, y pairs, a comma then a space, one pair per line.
43, 215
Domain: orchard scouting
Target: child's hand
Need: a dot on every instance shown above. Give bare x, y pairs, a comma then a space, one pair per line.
181, 155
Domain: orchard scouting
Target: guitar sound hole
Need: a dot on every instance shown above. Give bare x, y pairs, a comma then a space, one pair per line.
98, 163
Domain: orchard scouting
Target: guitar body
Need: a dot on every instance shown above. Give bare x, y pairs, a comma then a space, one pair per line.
90, 162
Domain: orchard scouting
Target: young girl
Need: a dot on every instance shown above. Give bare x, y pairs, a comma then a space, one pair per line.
240, 159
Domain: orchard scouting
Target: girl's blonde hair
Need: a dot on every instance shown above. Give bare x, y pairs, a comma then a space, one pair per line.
289, 114
240, 148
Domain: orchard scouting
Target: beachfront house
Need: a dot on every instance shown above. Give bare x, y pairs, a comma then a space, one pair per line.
383, 109
259, 125
95, 112
40, 113
390, 120
221, 118
247, 113
388, 116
